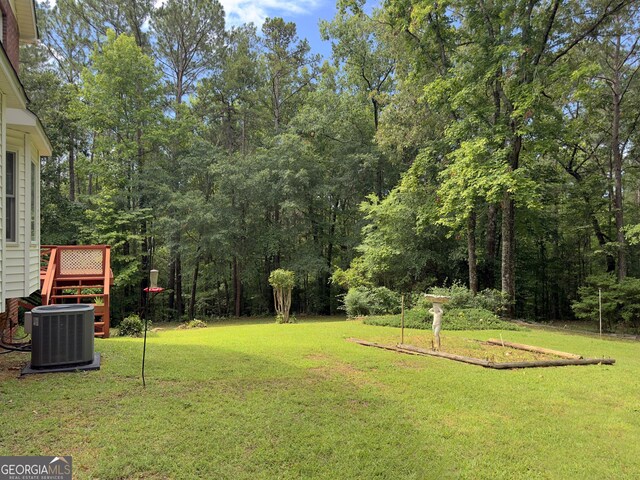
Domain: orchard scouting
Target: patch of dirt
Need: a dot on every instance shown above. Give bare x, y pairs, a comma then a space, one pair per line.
11, 364
481, 350
345, 371
468, 348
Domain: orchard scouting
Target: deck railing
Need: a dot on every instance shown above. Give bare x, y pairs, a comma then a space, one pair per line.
77, 274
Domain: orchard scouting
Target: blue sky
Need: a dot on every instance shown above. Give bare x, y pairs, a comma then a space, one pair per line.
304, 13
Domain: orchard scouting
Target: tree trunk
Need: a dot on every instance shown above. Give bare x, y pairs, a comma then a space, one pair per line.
237, 288
175, 298
72, 171
226, 297
276, 104
508, 252
380, 163
471, 250
597, 229
332, 232
171, 283
508, 230
179, 301
617, 166
194, 287
491, 246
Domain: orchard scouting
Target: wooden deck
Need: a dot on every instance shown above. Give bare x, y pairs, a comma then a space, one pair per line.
78, 274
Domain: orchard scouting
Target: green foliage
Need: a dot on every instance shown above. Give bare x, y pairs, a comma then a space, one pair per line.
195, 323
281, 319
282, 282
360, 301
187, 33
462, 298
281, 278
132, 326
620, 301
219, 154
452, 319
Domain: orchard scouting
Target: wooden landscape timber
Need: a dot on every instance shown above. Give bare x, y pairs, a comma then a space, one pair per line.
384, 347
413, 350
531, 348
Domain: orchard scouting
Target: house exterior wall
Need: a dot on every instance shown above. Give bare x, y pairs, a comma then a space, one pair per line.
22, 258
9, 319
3, 133
22, 134
11, 36
33, 241
14, 253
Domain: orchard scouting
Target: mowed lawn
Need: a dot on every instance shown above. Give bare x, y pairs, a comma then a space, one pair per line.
258, 400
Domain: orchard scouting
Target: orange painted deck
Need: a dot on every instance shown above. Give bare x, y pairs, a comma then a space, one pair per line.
78, 274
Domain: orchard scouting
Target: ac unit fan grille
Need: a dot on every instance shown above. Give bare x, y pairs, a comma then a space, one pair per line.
62, 338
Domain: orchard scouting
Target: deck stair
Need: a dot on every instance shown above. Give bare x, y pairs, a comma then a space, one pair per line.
78, 274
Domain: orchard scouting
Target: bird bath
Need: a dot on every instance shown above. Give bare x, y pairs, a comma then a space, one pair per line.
437, 311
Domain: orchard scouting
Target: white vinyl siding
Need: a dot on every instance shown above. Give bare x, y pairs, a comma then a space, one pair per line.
16, 260
3, 134
34, 244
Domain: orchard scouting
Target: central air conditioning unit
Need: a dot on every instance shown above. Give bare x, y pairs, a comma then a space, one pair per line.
62, 336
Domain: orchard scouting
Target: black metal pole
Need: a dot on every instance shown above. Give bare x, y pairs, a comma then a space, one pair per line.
146, 313
144, 345
402, 323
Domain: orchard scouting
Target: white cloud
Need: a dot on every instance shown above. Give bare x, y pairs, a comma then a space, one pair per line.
245, 11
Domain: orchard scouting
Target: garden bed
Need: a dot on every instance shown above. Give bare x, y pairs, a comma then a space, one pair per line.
492, 353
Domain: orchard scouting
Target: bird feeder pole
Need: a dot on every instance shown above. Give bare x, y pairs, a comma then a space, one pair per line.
154, 289
402, 323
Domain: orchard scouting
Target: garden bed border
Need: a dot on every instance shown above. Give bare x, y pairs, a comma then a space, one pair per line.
413, 350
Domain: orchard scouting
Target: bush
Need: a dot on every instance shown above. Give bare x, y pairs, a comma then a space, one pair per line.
195, 323
282, 282
132, 326
452, 319
620, 301
360, 301
461, 297
280, 319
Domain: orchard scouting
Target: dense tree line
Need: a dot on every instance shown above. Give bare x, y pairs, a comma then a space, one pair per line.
486, 141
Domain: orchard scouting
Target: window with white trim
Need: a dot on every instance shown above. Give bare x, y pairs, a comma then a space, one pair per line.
11, 206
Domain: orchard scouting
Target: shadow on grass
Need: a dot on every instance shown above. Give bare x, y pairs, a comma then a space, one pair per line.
212, 413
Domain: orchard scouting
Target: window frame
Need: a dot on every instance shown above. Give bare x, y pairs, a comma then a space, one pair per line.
11, 229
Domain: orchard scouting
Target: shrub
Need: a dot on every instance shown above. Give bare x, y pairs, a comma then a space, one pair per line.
280, 319
282, 282
357, 302
132, 326
361, 301
453, 319
461, 297
195, 323
385, 300
620, 301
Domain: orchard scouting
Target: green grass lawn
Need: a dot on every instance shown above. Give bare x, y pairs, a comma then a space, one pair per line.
259, 400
